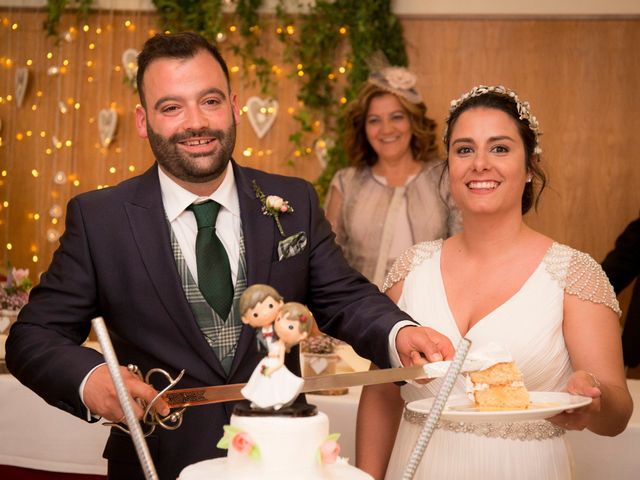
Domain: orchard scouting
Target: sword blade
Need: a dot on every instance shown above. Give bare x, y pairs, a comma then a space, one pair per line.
189, 397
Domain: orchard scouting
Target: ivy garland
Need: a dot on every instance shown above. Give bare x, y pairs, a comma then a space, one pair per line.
203, 16
370, 27
55, 9
357, 27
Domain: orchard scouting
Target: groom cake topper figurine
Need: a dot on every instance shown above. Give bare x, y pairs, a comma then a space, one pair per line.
279, 326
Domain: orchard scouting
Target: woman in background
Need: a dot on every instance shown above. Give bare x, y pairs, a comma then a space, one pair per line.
392, 197
498, 280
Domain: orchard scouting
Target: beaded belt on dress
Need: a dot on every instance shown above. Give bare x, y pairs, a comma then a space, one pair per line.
531, 430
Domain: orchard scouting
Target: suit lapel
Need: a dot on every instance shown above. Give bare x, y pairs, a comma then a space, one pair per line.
258, 230
151, 233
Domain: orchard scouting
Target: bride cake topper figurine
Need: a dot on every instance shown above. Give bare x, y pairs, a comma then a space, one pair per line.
280, 327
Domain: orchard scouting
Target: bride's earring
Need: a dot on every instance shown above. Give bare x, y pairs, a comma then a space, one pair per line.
529, 178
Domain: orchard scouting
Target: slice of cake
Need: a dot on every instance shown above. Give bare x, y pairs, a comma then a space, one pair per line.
499, 387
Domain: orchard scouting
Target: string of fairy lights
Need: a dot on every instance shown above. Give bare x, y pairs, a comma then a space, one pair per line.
44, 143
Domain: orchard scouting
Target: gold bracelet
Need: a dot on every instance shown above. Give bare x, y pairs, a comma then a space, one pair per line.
596, 382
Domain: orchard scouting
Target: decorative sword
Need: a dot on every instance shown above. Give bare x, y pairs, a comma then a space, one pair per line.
189, 397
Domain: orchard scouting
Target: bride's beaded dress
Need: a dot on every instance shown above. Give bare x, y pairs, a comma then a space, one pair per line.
529, 325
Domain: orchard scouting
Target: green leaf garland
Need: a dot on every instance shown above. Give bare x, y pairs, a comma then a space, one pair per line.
330, 27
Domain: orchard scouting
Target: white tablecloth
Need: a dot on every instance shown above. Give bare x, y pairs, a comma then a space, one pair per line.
36, 435
618, 457
39, 436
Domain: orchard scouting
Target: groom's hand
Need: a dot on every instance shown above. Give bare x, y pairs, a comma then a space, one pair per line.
419, 345
101, 398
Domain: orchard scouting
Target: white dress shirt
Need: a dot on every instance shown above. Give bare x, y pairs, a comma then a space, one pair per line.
183, 222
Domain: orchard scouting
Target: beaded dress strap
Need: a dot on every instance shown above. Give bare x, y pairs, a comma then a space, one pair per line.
409, 260
580, 275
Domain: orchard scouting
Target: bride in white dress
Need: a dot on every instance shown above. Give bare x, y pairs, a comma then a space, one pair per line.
500, 281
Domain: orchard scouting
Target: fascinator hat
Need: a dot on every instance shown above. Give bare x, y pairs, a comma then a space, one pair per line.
396, 80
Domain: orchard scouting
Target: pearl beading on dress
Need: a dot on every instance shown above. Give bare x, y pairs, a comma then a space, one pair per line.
575, 271
580, 275
410, 259
525, 431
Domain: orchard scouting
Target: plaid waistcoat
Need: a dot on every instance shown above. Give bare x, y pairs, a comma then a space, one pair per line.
221, 334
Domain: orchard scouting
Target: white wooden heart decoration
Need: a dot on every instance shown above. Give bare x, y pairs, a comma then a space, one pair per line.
130, 64
22, 80
318, 364
107, 123
321, 148
262, 113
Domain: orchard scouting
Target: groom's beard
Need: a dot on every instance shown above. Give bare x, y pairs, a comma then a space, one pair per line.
194, 168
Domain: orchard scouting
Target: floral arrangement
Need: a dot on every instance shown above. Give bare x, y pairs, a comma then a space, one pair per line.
240, 441
329, 451
322, 343
273, 206
14, 289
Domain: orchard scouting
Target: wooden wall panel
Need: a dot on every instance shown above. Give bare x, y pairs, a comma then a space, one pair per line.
581, 77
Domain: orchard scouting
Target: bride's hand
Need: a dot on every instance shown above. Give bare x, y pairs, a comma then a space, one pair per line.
585, 384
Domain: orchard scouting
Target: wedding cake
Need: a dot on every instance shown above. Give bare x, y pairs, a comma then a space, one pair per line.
277, 446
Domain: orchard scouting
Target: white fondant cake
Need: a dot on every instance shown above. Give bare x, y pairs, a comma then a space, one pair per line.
276, 448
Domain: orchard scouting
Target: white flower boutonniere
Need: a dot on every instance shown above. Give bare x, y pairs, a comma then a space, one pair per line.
273, 206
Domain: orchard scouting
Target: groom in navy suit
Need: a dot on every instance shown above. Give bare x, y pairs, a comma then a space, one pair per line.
128, 254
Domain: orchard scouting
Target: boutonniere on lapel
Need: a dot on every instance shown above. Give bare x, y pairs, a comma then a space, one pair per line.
273, 206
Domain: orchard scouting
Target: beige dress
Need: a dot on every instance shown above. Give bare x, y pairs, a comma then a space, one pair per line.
378, 222
529, 326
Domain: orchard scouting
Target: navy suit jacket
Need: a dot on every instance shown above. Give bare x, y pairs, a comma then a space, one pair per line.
115, 261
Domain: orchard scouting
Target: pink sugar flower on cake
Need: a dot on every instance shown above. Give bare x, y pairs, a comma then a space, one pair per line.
330, 449
242, 443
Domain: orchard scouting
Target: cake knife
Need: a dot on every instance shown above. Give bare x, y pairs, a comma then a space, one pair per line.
188, 397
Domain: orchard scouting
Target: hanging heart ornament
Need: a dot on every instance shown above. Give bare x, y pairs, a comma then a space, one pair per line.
130, 64
22, 80
107, 123
262, 113
321, 147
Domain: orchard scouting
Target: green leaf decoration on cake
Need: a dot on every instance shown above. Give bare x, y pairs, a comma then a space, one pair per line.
229, 432
254, 454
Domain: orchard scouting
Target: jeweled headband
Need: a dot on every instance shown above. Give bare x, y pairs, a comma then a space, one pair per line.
397, 80
524, 110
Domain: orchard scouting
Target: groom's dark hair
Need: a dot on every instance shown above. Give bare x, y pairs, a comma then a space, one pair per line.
174, 45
